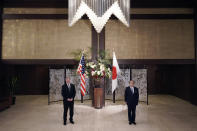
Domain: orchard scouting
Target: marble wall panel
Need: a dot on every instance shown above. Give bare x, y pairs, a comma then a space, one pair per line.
55, 84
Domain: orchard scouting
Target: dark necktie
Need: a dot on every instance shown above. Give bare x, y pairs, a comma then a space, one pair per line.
132, 90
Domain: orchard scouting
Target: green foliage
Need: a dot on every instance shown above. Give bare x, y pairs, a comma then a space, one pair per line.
13, 84
104, 58
78, 53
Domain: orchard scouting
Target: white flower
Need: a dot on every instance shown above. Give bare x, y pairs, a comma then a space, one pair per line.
93, 73
102, 68
92, 66
91, 63
98, 72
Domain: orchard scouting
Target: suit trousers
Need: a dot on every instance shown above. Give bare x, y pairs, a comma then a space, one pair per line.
131, 113
70, 106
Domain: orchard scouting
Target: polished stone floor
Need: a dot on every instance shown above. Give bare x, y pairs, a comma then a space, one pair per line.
164, 113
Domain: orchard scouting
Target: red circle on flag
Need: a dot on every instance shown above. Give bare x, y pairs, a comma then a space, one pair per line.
114, 73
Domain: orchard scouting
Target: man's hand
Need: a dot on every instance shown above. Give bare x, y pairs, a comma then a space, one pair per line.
69, 99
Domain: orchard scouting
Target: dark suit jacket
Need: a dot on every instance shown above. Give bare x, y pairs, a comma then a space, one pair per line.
68, 94
130, 98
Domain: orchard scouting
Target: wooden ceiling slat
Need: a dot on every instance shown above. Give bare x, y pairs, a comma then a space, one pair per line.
134, 3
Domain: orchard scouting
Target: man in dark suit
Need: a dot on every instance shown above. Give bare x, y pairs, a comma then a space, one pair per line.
131, 99
68, 93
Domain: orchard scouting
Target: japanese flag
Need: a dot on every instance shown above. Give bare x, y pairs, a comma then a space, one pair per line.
115, 72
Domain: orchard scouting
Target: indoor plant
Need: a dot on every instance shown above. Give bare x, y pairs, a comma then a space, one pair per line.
13, 83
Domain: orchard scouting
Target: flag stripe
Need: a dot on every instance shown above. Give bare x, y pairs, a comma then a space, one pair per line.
82, 93
83, 87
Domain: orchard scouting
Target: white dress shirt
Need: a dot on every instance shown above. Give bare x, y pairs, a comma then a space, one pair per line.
132, 89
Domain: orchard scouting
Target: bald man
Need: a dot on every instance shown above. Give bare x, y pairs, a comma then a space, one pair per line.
131, 99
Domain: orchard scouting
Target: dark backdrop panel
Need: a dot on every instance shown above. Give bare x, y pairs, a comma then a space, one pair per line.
176, 80
33, 80
182, 81
3, 82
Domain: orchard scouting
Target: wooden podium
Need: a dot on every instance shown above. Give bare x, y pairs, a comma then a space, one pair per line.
98, 100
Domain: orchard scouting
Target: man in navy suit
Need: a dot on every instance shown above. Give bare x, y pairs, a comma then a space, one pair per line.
68, 93
131, 99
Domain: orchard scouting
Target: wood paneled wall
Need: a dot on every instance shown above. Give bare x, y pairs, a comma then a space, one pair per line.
44, 39
151, 39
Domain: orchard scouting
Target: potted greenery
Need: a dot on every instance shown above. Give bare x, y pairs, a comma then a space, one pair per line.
13, 83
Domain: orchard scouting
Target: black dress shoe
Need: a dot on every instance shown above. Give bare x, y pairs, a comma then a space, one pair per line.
72, 121
64, 123
134, 123
130, 123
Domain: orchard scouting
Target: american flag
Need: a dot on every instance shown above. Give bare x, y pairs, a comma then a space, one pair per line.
81, 71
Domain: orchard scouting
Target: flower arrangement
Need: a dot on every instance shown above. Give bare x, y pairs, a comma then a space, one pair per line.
100, 67
97, 70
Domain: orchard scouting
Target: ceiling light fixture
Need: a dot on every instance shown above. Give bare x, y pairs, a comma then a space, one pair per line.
99, 11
